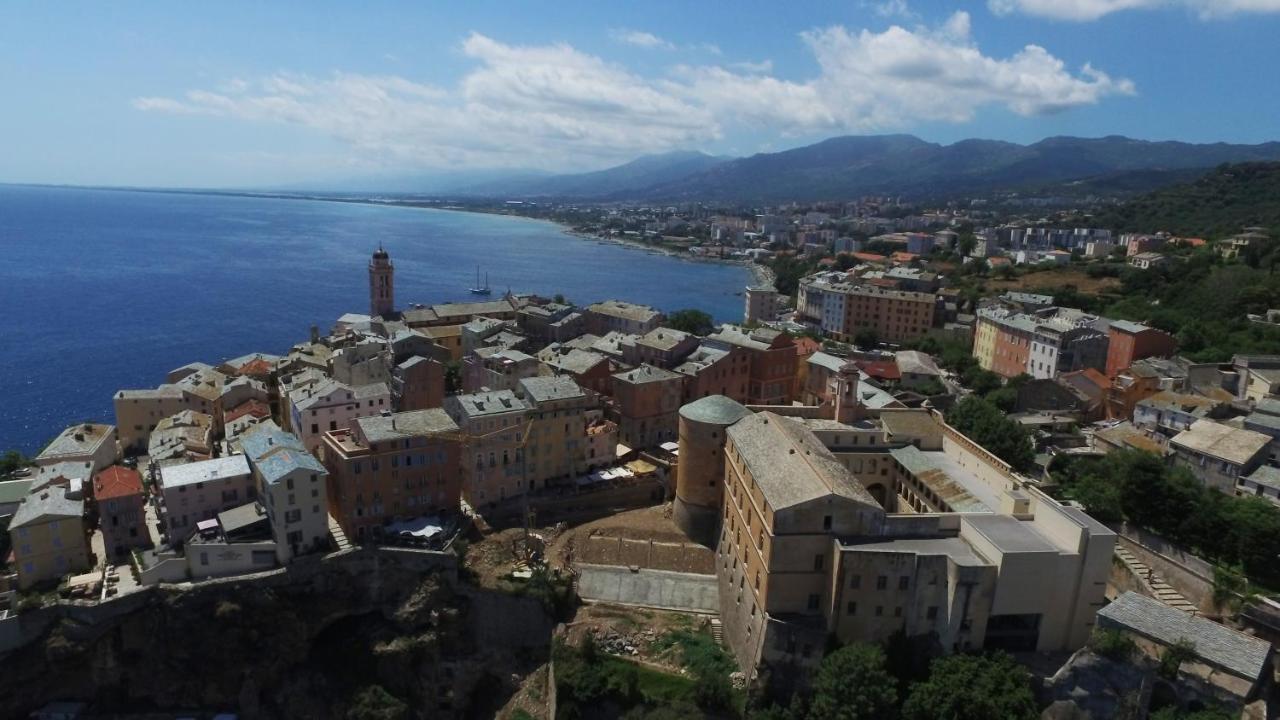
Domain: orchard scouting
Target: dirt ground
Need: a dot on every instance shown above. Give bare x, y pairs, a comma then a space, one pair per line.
646, 537
1056, 279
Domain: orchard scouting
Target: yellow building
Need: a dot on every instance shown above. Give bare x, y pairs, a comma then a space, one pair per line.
984, 341
48, 537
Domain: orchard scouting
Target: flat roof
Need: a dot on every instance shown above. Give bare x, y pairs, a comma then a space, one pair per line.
80, 439
1224, 442
1009, 534
953, 547
204, 471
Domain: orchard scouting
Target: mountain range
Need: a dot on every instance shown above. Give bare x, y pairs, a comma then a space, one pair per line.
852, 166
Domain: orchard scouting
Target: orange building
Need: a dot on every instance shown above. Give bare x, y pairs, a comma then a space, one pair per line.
392, 467
772, 356
1012, 346
117, 494
1130, 341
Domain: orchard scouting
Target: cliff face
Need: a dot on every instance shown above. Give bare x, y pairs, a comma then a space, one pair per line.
298, 643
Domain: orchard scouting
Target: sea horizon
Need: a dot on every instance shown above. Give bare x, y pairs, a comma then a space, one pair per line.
133, 283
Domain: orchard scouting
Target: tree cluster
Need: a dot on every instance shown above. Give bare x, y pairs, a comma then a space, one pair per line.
1137, 486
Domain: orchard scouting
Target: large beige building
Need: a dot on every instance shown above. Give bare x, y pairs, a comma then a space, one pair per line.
195, 387
48, 537
561, 414
865, 528
842, 308
493, 463
90, 445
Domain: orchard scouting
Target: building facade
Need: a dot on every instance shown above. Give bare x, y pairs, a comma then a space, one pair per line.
393, 467
646, 401
118, 497
495, 425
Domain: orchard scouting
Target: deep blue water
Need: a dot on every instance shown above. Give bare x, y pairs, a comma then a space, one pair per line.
102, 290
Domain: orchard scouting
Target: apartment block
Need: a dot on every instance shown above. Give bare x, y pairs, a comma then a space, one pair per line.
118, 496
197, 491
772, 358
49, 537
561, 414
90, 445
624, 317
290, 485
1130, 341
330, 405
393, 467
646, 401
494, 424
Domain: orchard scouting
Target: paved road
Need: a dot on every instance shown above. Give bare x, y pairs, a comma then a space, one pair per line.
649, 588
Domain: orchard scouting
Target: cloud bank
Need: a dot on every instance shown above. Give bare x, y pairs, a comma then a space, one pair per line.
1088, 10
555, 106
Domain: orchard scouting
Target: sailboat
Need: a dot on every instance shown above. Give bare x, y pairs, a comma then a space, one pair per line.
481, 289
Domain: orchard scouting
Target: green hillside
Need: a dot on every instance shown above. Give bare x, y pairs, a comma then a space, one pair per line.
1222, 202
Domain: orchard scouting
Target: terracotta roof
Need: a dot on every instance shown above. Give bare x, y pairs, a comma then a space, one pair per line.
807, 346
115, 482
904, 256
252, 406
255, 367
886, 369
870, 257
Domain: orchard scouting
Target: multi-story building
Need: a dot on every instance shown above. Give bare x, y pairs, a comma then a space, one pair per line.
118, 496
1141, 380
760, 304
929, 535
552, 322
588, 368
290, 484
646, 401
393, 467
198, 491
48, 536
1066, 341
330, 405
715, 371
495, 369
494, 425
624, 317
772, 358
1130, 341
560, 415
90, 445
1169, 413
842, 309
661, 347
1219, 455
418, 383
197, 388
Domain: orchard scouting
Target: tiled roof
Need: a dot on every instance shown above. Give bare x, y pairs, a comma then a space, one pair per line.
116, 481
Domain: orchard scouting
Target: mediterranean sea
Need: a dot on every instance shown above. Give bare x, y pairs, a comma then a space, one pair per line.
104, 289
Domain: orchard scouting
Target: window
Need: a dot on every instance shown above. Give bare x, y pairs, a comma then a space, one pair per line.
813, 602
897, 611
851, 608
855, 581
879, 610
826, 522
293, 516
931, 613
904, 582
288, 483
882, 582
819, 561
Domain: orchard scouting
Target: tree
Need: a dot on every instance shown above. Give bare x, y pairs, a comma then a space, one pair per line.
986, 425
972, 687
866, 338
853, 684
690, 320
966, 244
375, 703
11, 462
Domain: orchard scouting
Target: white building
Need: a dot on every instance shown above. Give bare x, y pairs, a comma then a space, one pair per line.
331, 405
291, 484
200, 490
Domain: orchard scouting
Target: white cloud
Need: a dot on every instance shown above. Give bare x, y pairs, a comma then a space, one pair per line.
639, 38
1086, 10
894, 9
557, 107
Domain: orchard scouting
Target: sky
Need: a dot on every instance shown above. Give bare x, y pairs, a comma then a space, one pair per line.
239, 94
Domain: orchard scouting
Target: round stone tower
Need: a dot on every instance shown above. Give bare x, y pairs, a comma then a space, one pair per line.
382, 284
700, 472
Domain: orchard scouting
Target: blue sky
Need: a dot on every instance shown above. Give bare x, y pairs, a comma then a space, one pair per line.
254, 94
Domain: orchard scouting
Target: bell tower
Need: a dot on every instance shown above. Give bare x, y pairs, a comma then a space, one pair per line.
382, 284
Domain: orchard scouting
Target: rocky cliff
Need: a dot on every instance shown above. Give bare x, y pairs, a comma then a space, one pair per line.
301, 642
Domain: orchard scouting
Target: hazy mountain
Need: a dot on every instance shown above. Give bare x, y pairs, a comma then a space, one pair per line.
643, 172
847, 167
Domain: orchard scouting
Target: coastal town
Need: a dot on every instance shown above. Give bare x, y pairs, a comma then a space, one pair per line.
888, 444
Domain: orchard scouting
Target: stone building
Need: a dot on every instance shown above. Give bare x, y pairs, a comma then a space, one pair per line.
646, 401
495, 424
393, 467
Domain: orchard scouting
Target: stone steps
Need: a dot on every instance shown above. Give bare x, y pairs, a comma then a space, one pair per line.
1164, 592
339, 537
717, 631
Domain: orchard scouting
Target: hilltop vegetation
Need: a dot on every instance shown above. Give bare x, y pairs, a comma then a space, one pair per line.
1219, 204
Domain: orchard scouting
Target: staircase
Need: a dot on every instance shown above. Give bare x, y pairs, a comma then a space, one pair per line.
1163, 591
339, 537
717, 631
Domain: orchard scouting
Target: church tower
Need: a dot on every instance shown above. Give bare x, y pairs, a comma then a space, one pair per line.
382, 284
